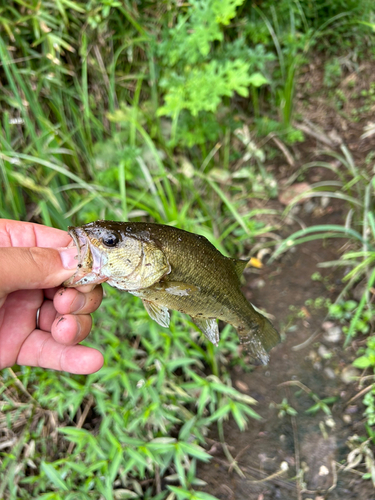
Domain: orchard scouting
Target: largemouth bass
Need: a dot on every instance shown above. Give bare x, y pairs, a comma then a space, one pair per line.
169, 268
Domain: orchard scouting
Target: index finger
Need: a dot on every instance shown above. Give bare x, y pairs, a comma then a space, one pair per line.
28, 234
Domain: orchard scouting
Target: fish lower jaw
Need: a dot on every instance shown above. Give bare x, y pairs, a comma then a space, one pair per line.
80, 279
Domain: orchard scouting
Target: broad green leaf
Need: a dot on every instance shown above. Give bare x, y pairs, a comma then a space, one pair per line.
362, 362
257, 80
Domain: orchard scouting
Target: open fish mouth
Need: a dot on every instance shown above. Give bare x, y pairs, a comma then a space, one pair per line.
88, 260
79, 238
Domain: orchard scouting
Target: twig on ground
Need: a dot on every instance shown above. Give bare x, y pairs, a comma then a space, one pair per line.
360, 393
81, 420
228, 491
289, 158
312, 130
231, 460
20, 386
253, 470
297, 456
157, 480
283, 468
308, 341
239, 454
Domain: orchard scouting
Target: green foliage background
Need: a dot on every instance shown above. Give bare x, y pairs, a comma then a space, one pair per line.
131, 110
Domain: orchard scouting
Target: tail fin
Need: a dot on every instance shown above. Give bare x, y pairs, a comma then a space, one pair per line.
259, 339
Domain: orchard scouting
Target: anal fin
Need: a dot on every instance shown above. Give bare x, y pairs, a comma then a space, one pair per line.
209, 329
157, 312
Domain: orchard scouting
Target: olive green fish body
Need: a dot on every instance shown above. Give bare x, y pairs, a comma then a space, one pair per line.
169, 268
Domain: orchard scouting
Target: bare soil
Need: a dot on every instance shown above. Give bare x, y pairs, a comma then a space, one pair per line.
313, 445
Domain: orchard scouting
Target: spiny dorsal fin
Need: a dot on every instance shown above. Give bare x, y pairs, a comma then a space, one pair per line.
241, 265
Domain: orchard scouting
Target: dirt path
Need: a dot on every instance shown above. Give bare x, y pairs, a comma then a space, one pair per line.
314, 443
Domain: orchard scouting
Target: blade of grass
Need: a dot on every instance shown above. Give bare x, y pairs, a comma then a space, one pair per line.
328, 230
359, 309
225, 200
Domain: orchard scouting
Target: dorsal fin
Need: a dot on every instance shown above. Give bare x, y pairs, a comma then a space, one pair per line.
241, 265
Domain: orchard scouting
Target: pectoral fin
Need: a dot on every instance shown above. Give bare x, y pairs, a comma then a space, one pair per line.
209, 328
157, 312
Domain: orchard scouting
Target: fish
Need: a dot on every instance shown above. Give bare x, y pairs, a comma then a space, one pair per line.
172, 269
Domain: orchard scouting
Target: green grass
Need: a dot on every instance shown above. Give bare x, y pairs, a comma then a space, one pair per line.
355, 186
150, 409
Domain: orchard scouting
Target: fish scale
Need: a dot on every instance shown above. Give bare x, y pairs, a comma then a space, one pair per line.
169, 268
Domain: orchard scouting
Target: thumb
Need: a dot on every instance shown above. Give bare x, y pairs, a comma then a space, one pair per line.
34, 268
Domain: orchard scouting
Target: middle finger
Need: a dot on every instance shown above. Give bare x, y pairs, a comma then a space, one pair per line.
71, 301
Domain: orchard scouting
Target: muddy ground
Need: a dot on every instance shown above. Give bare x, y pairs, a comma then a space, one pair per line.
315, 446
314, 443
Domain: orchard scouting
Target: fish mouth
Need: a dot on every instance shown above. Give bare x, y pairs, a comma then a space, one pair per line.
88, 260
79, 238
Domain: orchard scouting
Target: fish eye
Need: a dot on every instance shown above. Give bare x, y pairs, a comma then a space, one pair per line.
111, 240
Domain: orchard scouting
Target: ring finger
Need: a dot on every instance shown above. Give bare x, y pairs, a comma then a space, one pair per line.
47, 315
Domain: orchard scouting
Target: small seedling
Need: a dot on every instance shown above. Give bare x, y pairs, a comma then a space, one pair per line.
284, 408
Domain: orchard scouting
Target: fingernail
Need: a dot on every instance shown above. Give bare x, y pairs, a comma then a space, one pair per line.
78, 303
68, 257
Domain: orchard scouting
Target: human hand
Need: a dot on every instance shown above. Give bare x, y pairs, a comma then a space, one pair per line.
34, 262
